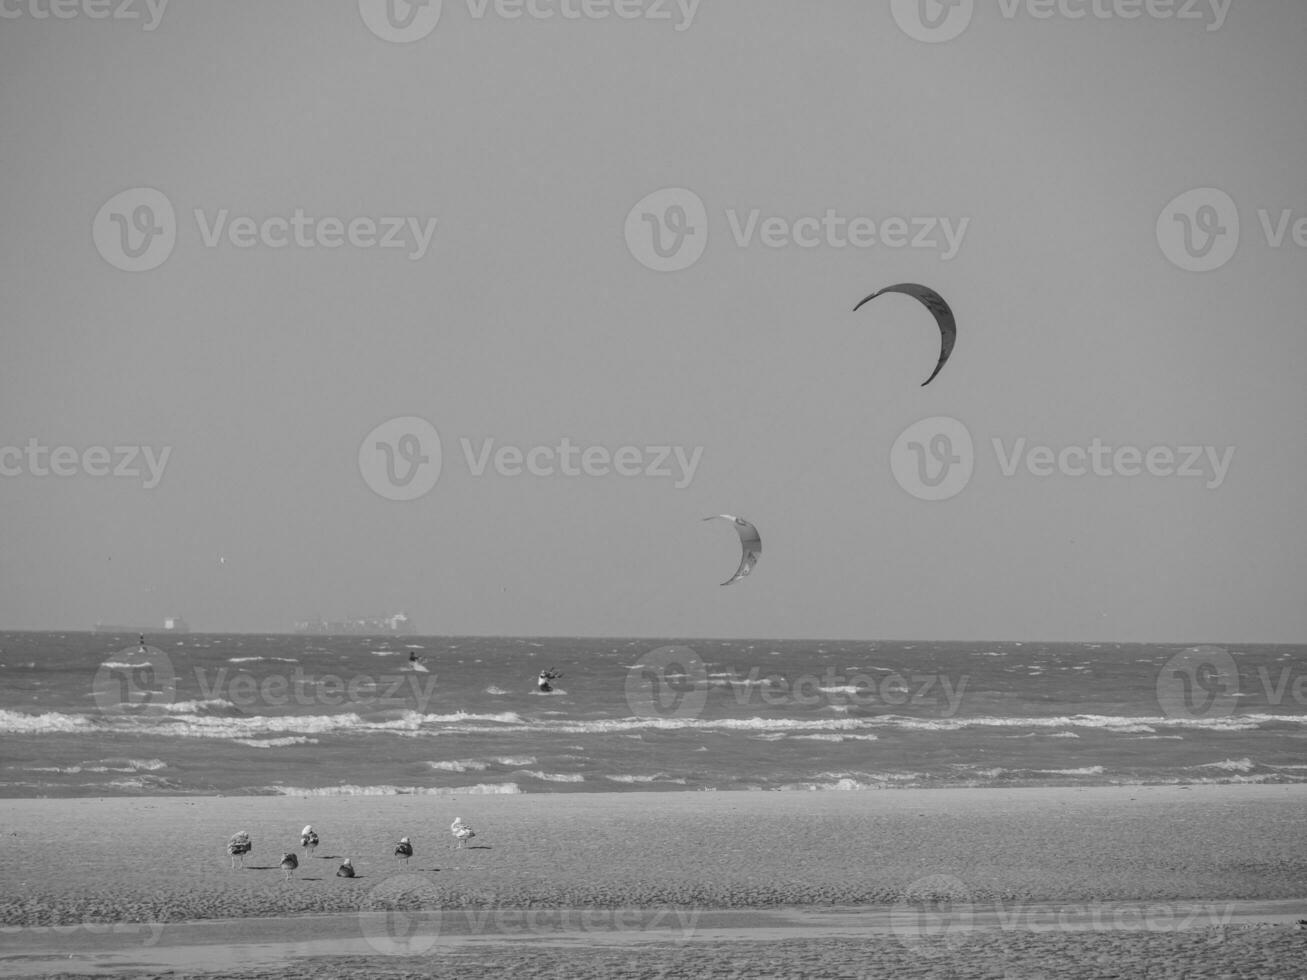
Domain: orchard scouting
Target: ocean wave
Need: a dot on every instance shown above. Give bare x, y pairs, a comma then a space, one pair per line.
455, 766
275, 743
216, 706
16, 722
246, 660
1046, 735
481, 789
554, 777
496, 690
846, 785
1229, 765
516, 761
103, 765
833, 737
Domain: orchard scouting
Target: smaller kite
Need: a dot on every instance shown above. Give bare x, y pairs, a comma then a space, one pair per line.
750, 545
939, 308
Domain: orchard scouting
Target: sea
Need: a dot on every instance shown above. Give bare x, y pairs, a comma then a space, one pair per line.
93, 714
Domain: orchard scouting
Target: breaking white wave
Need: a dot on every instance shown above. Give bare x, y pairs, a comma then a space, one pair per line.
104, 765
457, 766
275, 743
481, 789
1229, 765
554, 777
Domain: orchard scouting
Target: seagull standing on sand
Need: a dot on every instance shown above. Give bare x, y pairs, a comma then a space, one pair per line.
346, 870
462, 831
238, 847
309, 840
404, 849
289, 862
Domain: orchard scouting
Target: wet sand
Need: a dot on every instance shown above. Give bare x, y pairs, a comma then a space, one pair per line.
1141, 877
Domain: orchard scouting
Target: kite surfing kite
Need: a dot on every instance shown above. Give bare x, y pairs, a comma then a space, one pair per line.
750, 545
939, 308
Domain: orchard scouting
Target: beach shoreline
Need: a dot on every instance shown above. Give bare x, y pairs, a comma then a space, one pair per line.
146, 880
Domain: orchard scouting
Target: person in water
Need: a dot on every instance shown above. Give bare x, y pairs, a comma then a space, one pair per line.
542, 682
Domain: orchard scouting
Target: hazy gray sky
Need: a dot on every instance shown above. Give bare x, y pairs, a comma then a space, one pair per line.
528, 317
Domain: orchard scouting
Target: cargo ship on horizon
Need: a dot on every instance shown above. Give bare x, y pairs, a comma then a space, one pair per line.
397, 624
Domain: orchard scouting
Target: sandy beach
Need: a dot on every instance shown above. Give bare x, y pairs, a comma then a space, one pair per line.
960, 880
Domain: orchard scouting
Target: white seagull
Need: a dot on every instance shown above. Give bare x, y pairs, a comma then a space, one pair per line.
289, 862
308, 840
239, 845
462, 831
404, 849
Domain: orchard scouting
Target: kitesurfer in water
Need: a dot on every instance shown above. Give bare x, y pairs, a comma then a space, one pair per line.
542, 682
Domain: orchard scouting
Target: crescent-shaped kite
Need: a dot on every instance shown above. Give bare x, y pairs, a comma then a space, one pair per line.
939, 308
750, 545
